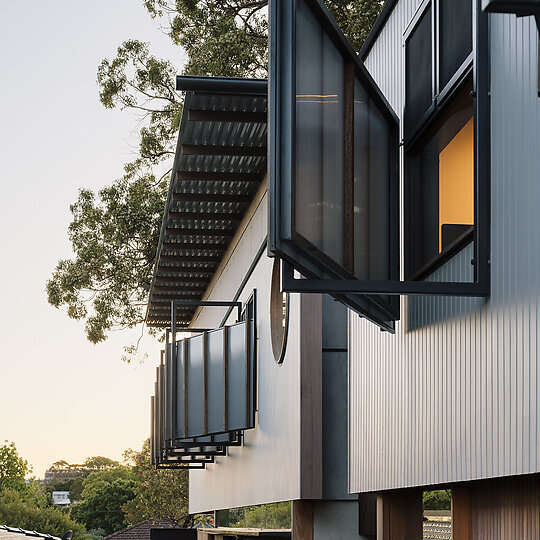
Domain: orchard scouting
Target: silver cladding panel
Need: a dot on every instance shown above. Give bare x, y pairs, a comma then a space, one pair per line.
454, 394
267, 467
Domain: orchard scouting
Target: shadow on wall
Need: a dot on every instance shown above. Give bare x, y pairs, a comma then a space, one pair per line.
427, 310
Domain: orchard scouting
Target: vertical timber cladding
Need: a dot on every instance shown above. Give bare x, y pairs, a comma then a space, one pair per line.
311, 450
454, 395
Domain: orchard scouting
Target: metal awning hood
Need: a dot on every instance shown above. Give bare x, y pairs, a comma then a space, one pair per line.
220, 161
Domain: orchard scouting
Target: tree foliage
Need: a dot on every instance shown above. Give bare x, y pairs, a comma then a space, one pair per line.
114, 241
159, 494
13, 468
27, 513
264, 516
98, 463
25, 504
103, 496
76, 488
114, 233
437, 499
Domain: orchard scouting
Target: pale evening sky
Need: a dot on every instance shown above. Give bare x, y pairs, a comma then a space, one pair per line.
60, 396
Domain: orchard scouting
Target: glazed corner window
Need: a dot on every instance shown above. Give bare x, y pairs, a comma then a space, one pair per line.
438, 49
439, 135
440, 187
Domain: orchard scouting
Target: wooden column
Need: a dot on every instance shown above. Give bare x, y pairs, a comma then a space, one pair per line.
461, 512
311, 472
302, 520
399, 515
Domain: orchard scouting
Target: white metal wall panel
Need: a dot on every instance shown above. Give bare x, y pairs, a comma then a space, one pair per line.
453, 396
267, 467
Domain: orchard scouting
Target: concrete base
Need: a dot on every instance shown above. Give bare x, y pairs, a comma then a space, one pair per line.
336, 521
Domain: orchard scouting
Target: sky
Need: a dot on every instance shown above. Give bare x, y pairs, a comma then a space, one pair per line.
60, 396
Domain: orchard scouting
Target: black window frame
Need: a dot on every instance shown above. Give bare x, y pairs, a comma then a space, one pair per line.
442, 100
521, 8
283, 240
281, 134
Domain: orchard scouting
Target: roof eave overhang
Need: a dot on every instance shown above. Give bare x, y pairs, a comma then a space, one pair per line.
219, 163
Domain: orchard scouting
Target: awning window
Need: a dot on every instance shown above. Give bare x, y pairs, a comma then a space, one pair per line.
334, 169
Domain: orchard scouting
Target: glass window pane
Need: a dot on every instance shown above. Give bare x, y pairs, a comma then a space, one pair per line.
440, 186
371, 189
455, 41
419, 74
319, 137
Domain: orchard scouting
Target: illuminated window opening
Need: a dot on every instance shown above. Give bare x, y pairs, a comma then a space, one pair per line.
456, 186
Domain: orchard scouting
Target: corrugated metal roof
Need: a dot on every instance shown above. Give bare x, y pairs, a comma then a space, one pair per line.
16, 533
220, 161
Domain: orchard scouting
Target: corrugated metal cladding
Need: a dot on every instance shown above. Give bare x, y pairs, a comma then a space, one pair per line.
219, 164
454, 395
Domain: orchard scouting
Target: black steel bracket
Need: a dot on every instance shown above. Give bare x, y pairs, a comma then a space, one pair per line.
332, 286
195, 303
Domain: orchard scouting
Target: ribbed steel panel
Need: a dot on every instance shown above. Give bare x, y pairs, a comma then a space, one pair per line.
453, 395
208, 194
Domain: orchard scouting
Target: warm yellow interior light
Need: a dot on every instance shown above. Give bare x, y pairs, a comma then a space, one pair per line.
456, 180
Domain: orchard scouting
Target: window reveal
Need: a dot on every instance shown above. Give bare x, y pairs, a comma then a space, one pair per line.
439, 138
456, 186
440, 186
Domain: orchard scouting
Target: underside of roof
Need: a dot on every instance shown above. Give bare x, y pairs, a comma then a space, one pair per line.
219, 164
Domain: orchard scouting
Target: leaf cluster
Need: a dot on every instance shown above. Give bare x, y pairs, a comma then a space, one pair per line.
103, 496
27, 513
264, 516
13, 469
437, 499
114, 241
159, 494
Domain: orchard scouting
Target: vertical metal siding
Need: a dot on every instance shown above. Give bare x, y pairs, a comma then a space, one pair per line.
453, 395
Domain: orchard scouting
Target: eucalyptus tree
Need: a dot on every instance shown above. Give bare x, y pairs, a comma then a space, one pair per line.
114, 232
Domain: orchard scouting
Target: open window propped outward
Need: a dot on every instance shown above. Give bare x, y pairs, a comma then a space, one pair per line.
334, 172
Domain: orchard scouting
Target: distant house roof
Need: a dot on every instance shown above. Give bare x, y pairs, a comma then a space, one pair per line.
141, 531
16, 533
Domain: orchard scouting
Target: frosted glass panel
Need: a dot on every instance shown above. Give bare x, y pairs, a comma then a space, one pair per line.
319, 137
371, 189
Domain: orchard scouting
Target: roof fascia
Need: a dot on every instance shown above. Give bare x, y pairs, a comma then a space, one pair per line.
221, 85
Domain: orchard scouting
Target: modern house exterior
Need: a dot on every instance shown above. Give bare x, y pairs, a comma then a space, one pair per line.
354, 243
61, 498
